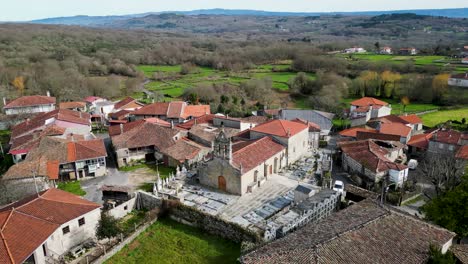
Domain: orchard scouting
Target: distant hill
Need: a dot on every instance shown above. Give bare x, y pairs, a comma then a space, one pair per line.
106, 20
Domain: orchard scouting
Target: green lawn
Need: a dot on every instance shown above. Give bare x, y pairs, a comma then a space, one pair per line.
167, 241
433, 119
72, 187
164, 171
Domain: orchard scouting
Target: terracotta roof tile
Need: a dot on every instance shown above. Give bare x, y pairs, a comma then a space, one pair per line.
352, 132
145, 135
281, 128
256, 153
362, 233
124, 102
312, 126
420, 141
72, 105
204, 119
176, 109
395, 129
26, 224
461, 252
31, 100
120, 114
447, 136
361, 135
159, 109
184, 149
92, 99
195, 111
368, 101
462, 153
412, 119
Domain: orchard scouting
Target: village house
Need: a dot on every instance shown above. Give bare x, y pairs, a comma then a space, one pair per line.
29, 104
464, 61
355, 50
407, 51
243, 166
460, 80
447, 141
75, 106
418, 144
46, 226
386, 50
77, 158
176, 111
322, 119
184, 152
91, 101
293, 135
366, 108
375, 159
462, 153
142, 140
350, 235
314, 132
128, 104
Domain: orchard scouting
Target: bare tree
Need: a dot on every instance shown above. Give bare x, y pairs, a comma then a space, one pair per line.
443, 171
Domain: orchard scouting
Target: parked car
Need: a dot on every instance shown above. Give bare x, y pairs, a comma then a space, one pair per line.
338, 186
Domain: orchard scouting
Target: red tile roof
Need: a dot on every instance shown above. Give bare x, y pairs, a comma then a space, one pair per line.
31, 100
395, 129
352, 132
184, 149
123, 102
447, 136
38, 122
72, 105
462, 153
85, 150
370, 154
204, 119
91, 99
159, 109
176, 109
24, 144
367, 101
361, 135
144, 135
281, 128
255, 153
196, 111
390, 119
120, 114
117, 129
312, 126
412, 119
460, 76
420, 141
26, 224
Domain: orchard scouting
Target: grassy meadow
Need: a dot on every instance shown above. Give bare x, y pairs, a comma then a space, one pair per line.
167, 241
435, 118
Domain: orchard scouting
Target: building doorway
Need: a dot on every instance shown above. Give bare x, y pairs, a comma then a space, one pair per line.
221, 183
276, 165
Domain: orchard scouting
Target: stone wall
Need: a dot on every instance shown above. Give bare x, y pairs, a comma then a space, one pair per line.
148, 201
211, 224
209, 173
13, 190
122, 209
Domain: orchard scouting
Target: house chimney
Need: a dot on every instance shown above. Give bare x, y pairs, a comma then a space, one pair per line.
121, 128
4, 101
81, 114
172, 124
48, 94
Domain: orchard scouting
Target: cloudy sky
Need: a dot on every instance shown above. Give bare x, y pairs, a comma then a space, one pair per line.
19, 10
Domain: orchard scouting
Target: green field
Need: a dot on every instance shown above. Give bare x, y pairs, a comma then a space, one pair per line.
433, 119
167, 241
418, 60
176, 83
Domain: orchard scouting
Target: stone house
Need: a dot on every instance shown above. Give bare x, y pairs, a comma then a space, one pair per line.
128, 104
293, 135
447, 141
241, 167
74, 106
314, 132
366, 108
29, 105
44, 227
176, 111
77, 158
375, 159
184, 152
142, 140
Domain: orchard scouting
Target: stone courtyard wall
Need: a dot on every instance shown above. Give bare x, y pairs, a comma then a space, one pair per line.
211, 224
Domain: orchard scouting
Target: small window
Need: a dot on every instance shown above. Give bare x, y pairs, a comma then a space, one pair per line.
66, 230
126, 208
81, 221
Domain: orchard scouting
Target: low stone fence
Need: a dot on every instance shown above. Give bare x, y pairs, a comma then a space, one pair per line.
211, 224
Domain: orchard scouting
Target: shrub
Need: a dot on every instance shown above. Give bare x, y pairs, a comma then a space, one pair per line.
107, 227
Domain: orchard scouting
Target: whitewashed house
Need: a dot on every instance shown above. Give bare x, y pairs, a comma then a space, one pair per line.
43, 228
460, 80
29, 104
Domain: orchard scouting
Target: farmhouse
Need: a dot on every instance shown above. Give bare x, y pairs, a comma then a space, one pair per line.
447, 141
184, 152
407, 51
142, 141
351, 236
75, 106
385, 50
44, 227
322, 119
29, 104
460, 80
375, 159
366, 108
